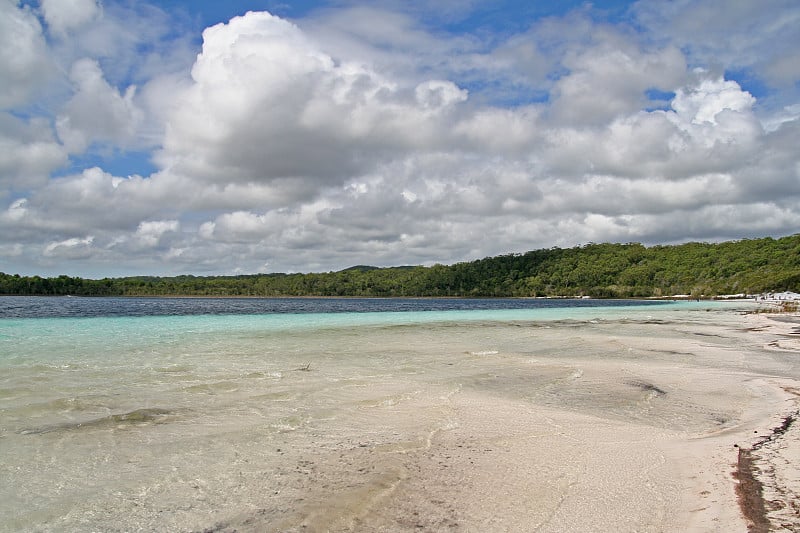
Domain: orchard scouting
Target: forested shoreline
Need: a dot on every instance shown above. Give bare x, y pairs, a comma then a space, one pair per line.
630, 270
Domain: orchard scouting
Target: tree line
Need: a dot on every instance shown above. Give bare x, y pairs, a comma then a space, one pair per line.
630, 270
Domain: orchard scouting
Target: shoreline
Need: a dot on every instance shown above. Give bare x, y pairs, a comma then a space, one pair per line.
750, 490
744, 485
674, 298
645, 423
767, 470
565, 470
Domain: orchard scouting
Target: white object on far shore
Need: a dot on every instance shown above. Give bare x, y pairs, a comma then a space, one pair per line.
786, 296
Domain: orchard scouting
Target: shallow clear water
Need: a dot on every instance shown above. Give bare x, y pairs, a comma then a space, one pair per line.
171, 414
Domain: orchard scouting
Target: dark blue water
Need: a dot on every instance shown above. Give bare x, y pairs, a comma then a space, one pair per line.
74, 307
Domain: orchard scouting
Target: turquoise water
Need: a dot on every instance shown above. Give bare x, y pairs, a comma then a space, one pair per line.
45, 340
112, 423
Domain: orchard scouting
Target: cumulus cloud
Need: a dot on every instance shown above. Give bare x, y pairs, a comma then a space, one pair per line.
29, 152
610, 79
708, 99
361, 135
94, 199
97, 112
761, 37
267, 104
239, 226
63, 16
438, 95
252, 81
692, 138
24, 61
70, 248
150, 233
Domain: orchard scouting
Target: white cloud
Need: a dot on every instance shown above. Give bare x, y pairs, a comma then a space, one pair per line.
438, 94
149, 233
609, 79
70, 248
93, 200
788, 114
717, 116
509, 132
63, 16
711, 129
268, 105
97, 112
704, 102
239, 226
132, 41
28, 153
365, 136
16, 210
761, 37
24, 61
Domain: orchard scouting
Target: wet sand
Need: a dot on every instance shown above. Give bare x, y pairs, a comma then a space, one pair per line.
592, 463
768, 466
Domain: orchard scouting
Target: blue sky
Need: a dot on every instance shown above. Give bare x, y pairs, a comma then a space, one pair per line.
192, 137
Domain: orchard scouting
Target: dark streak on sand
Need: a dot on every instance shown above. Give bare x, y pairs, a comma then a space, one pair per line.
647, 387
139, 416
750, 494
750, 490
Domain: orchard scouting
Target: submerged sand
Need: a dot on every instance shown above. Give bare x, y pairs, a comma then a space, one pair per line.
609, 425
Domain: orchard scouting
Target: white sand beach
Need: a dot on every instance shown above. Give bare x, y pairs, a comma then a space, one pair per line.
616, 424
633, 443
501, 465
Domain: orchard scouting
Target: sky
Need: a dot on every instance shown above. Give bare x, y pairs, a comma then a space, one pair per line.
252, 136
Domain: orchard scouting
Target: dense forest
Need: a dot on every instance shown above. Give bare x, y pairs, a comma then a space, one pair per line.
597, 270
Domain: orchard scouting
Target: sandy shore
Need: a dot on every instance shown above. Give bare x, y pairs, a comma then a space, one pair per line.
654, 421
495, 463
768, 466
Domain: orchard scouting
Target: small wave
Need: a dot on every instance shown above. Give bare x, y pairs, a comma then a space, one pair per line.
66, 406
288, 424
213, 388
386, 401
46, 367
484, 353
449, 425
257, 374
175, 368
283, 396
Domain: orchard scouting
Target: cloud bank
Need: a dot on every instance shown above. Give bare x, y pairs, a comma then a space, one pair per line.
369, 135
